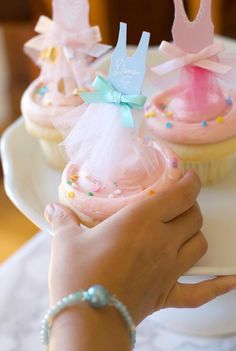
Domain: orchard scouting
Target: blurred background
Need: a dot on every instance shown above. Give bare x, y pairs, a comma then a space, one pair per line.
17, 21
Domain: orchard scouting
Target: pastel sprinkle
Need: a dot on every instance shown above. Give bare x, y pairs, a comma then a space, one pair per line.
118, 192
150, 114
175, 163
90, 193
169, 114
220, 119
151, 192
71, 194
96, 188
147, 107
74, 178
69, 182
169, 125
204, 124
229, 101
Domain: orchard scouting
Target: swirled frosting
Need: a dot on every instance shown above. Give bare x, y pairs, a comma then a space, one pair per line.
99, 201
165, 123
41, 106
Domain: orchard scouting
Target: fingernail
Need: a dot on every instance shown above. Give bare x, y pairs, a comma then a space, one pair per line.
49, 212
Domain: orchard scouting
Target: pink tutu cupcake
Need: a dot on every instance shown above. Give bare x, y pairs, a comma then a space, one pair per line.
196, 115
64, 50
112, 162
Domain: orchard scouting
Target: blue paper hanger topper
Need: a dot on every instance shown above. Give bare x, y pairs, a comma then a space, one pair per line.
127, 72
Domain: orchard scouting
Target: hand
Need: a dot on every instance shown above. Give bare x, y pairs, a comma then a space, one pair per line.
138, 253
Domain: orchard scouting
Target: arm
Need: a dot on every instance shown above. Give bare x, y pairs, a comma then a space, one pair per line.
137, 254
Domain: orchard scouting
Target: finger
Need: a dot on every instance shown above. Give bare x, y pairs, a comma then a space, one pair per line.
64, 222
196, 295
191, 252
178, 198
183, 227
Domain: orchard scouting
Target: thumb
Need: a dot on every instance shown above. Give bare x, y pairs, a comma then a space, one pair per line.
63, 220
196, 295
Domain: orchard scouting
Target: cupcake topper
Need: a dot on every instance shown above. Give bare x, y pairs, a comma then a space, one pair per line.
125, 79
106, 141
68, 34
193, 42
127, 72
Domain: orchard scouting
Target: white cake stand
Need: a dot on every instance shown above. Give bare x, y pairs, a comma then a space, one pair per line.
31, 184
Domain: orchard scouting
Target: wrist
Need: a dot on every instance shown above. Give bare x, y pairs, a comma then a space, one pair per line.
84, 328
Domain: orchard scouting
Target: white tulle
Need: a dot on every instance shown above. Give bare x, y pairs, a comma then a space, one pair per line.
105, 149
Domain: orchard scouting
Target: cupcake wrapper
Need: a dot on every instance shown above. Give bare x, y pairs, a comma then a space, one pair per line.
211, 172
53, 154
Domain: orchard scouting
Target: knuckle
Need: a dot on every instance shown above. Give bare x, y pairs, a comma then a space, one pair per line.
203, 244
198, 217
61, 218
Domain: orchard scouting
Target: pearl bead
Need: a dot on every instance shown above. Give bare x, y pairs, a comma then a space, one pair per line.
98, 296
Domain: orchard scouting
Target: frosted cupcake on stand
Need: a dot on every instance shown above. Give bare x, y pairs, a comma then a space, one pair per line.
196, 114
64, 50
112, 163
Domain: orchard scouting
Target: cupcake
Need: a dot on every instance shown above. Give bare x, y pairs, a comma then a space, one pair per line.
196, 114
113, 163
64, 50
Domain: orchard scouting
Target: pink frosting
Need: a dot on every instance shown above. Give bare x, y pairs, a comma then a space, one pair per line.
42, 110
99, 202
165, 124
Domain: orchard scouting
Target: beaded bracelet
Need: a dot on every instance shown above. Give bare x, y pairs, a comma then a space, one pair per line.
97, 297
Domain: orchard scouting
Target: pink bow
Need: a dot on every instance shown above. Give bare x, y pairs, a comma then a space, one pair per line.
201, 59
51, 34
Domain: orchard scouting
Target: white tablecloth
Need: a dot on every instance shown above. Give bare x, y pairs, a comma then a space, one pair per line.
24, 300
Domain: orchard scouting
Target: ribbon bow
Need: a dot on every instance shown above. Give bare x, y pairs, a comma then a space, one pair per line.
106, 93
51, 35
201, 59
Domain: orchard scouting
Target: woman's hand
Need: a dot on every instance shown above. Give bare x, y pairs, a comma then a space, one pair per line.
138, 253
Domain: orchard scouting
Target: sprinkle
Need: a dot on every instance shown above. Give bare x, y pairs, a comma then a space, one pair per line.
151, 192
69, 182
96, 188
90, 193
71, 194
169, 114
76, 92
61, 86
74, 178
175, 163
111, 196
204, 124
47, 102
220, 119
147, 107
118, 192
150, 114
229, 101
41, 90
169, 125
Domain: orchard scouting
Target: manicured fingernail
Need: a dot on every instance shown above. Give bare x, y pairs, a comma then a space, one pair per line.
49, 212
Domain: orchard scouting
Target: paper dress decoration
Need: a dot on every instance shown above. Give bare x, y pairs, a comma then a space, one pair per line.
106, 140
195, 52
66, 43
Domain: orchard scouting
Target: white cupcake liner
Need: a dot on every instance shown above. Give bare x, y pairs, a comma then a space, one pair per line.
53, 154
212, 171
